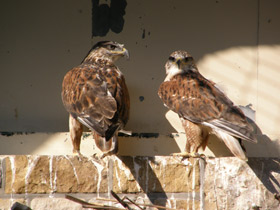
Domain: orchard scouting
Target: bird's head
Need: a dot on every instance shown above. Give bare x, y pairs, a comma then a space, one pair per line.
107, 50
179, 62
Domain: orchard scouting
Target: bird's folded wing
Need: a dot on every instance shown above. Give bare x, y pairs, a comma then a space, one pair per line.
244, 132
90, 101
206, 104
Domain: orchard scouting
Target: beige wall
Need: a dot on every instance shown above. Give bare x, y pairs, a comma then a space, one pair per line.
235, 43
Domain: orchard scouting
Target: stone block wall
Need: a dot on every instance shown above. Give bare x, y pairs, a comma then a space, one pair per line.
41, 182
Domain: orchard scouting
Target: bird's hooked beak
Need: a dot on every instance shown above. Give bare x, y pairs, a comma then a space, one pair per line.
125, 53
178, 62
120, 52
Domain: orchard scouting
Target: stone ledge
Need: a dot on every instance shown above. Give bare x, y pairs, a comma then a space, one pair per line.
216, 183
234, 184
72, 174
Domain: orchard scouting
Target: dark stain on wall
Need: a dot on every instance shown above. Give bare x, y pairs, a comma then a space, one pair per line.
106, 17
143, 34
141, 98
7, 133
140, 135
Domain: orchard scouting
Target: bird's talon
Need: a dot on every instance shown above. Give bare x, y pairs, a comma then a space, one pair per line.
97, 156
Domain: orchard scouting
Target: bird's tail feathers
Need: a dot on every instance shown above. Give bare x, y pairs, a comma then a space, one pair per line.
106, 146
246, 132
91, 124
233, 144
111, 131
129, 133
100, 127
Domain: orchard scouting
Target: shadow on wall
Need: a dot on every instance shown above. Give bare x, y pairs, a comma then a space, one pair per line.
146, 179
105, 17
265, 147
151, 144
265, 170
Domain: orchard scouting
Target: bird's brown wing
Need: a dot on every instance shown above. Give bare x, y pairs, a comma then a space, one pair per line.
123, 100
117, 87
88, 97
196, 99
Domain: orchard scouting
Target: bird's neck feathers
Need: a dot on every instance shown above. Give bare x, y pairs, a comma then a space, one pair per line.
174, 70
97, 57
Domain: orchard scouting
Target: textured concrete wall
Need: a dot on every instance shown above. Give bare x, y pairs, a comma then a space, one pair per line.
217, 183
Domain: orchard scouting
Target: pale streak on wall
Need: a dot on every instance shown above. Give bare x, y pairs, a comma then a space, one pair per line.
236, 44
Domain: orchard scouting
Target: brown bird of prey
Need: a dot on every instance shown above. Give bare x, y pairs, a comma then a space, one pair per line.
95, 95
202, 107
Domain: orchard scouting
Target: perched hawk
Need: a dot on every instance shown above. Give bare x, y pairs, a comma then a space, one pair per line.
95, 95
202, 107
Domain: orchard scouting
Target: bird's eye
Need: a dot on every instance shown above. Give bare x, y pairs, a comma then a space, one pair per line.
171, 58
112, 47
187, 59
